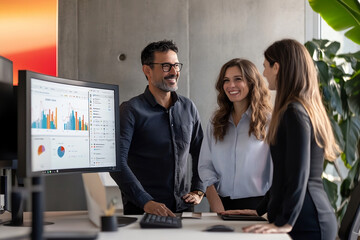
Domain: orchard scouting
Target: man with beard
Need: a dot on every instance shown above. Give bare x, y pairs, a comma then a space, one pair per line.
158, 130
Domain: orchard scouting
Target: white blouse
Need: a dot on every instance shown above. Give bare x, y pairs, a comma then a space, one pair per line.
239, 166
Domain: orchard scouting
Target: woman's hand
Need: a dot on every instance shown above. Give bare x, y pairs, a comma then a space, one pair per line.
237, 212
267, 228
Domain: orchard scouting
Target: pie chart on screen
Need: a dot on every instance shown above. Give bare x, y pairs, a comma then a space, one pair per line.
61, 151
41, 149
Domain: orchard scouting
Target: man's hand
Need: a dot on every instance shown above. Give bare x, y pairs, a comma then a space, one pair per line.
267, 228
158, 209
192, 198
238, 212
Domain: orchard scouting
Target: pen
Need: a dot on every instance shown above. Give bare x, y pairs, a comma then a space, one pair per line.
111, 209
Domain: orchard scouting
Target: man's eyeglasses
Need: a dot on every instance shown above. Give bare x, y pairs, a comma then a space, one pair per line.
166, 67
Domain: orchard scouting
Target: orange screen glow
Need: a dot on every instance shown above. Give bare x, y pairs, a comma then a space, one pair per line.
28, 35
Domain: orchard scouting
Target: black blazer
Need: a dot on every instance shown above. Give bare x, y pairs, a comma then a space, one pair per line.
297, 195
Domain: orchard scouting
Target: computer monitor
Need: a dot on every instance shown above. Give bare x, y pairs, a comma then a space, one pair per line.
8, 140
8, 144
66, 125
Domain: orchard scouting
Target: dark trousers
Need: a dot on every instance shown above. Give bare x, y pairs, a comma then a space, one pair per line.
240, 203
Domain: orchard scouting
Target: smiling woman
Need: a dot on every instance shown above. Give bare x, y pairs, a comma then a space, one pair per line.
234, 141
236, 89
28, 35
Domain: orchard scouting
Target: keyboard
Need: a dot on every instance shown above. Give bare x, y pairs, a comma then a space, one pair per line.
155, 221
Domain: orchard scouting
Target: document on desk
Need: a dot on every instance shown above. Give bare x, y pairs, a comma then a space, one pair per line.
193, 215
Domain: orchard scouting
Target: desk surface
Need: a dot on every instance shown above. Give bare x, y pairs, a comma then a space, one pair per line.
192, 228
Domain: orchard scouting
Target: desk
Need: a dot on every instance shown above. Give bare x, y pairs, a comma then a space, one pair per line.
192, 228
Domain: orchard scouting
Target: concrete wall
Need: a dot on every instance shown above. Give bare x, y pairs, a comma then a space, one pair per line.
93, 33
222, 30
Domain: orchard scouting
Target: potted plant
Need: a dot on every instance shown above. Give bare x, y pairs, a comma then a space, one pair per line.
339, 77
341, 93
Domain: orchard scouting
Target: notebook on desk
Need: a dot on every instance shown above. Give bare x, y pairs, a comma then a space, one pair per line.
241, 217
190, 215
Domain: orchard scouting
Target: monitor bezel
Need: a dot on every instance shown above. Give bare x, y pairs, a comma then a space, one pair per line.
24, 122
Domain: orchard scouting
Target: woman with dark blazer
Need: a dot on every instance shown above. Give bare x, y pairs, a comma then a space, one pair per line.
300, 136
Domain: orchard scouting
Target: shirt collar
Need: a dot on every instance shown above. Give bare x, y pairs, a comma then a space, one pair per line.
151, 99
247, 113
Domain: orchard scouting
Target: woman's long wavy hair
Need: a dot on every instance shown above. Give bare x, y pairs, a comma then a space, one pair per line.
297, 82
258, 98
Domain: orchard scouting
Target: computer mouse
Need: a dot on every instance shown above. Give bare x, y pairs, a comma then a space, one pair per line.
219, 228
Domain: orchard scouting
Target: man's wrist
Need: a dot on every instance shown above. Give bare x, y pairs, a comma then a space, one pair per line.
198, 192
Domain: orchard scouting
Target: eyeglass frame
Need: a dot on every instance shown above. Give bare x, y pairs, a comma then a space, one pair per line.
171, 66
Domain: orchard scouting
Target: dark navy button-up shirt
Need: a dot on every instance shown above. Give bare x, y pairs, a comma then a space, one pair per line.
155, 145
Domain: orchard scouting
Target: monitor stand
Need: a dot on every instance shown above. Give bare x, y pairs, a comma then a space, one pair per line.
17, 209
37, 232
18, 195
37, 208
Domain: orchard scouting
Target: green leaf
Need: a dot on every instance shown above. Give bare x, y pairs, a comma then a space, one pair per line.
321, 43
332, 95
324, 73
353, 102
338, 133
353, 59
341, 211
338, 71
345, 188
340, 15
351, 132
311, 47
344, 99
331, 50
352, 174
326, 162
353, 35
332, 191
343, 158
352, 88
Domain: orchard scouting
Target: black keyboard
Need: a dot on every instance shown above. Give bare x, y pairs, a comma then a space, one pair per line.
155, 221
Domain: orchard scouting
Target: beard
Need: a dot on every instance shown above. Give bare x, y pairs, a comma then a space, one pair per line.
163, 85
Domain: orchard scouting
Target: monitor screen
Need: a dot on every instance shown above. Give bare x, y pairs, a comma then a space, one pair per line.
66, 125
8, 144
